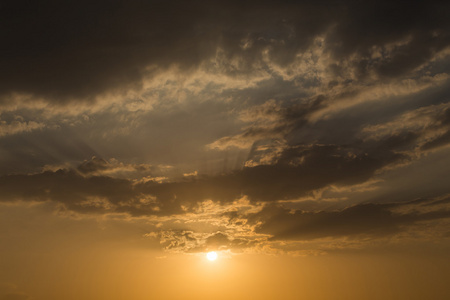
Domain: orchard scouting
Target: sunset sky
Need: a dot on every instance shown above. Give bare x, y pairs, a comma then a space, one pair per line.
307, 143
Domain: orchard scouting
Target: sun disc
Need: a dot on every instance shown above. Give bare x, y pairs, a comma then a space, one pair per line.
211, 255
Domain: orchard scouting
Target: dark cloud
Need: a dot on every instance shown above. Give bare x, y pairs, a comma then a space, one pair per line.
31, 151
67, 187
442, 122
275, 224
441, 140
367, 219
192, 242
367, 26
298, 170
78, 49
92, 166
114, 168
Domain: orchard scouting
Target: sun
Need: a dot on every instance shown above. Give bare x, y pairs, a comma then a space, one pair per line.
211, 256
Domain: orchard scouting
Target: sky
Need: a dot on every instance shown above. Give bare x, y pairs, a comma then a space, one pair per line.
307, 143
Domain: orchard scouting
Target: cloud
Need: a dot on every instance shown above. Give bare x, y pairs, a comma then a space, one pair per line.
79, 50
428, 127
266, 101
204, 213
367, 219
18, 127
274, 228
267, 122
297, 171
161, 71
194, 242
65, 186
113, 168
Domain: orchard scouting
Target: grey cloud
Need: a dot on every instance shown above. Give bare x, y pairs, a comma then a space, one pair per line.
65, 186
288, 120
128, 136
321, 166
89, 194
31, 151
425, 128
380, 23
92, 194
113, 168
79, 49
298, 170
442, 140
366, 219
94, 165
442, 120
271, 123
